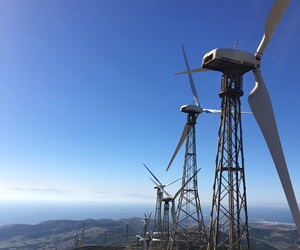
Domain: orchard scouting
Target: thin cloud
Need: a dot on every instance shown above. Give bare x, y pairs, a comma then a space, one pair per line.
137, 195
100, 192
49, 190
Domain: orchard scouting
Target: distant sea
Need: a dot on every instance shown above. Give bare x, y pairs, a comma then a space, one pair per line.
273, 214
36, 212
265, 213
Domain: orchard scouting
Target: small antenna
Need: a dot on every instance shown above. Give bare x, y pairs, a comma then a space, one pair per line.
235, 44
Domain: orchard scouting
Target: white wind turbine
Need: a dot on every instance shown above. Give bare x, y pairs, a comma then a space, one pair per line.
172, 198
157, 227
259, 99
190, 108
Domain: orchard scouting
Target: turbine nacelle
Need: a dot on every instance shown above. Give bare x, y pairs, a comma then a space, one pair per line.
191, 109
224, 59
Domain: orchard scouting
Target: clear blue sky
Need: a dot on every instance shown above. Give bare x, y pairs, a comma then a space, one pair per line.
88, 94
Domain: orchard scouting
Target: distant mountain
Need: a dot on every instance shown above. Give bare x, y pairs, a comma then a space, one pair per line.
274, 235
108, 234
62, 234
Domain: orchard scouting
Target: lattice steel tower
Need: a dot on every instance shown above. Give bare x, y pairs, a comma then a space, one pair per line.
157, 228
229, 218
166, 222
188, 230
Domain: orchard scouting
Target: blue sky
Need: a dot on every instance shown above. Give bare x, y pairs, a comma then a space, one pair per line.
88, 94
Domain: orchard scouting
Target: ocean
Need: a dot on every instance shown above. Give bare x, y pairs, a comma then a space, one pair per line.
36, 212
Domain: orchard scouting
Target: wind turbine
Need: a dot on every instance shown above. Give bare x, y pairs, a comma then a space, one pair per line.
189, 210
146, 222
145, 240
126, 229
234, 64
167, 200
165, 232
190, 109
157, 227
76, 239
82, 239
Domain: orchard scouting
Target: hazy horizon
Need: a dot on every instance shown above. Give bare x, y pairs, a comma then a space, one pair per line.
36, 211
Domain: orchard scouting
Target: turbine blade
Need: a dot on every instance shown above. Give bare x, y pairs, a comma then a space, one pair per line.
217, 111
153, 175
184, 134
173, 182
169, 196
156, 184
162, 189
190, 78
178, 192
212, 111
185, 184
173, 210
273, 19
261, 106
192, 71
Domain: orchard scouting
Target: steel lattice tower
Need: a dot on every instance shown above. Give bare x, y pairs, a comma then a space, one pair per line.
229, 218
166, 222
188, 230
157, 218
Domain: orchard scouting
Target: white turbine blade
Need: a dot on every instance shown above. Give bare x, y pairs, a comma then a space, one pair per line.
184, 134
169, 196
192, 71
153, 239
172, 182
274, 17
180, 190
138, 236
162, 189
260, 104
153, 175
191, 78
156, 184
173, 210
212, 111
217, 111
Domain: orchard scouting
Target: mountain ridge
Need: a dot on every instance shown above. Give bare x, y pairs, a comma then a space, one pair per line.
111, 234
